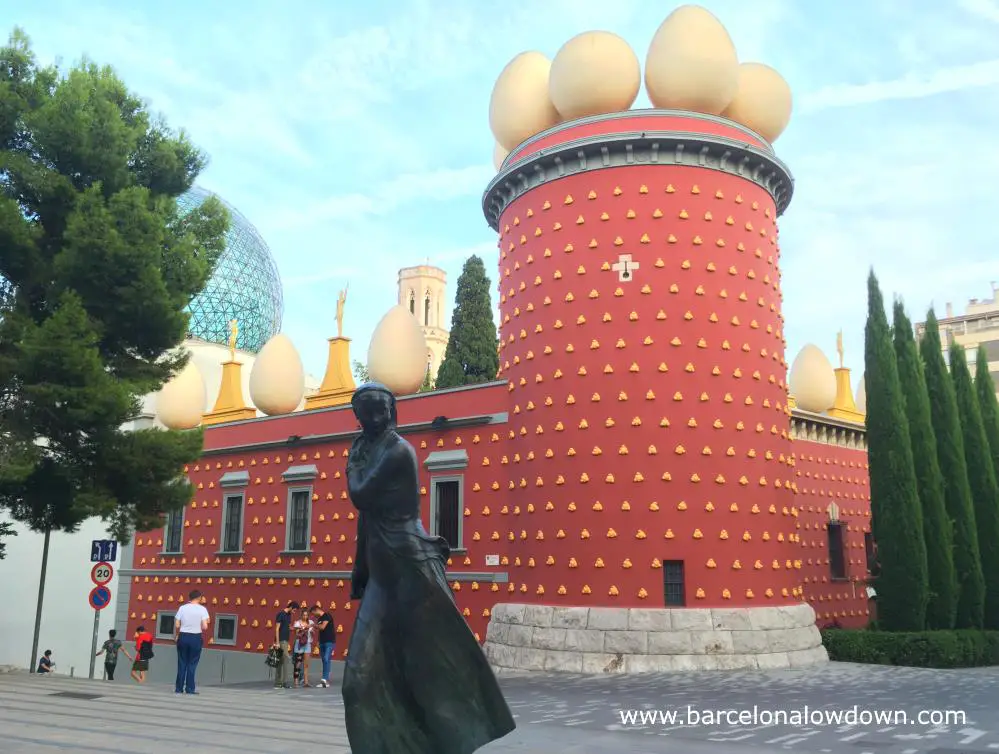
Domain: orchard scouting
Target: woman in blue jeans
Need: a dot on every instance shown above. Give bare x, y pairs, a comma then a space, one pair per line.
327, 642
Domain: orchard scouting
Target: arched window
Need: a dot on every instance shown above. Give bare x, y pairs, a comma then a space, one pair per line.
412, 303
426, 309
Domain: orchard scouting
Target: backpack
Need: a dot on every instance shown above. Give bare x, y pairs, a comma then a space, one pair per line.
146, 651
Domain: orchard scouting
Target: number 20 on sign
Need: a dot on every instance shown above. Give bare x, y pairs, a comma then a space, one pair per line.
102, 573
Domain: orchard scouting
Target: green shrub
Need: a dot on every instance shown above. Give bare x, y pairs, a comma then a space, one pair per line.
922, 649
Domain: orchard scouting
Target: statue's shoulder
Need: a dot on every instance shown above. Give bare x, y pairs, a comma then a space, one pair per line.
402, 448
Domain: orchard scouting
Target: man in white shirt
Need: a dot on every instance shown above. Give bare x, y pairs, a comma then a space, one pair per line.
189, 624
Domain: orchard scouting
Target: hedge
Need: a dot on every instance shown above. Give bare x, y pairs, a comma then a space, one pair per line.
923, 649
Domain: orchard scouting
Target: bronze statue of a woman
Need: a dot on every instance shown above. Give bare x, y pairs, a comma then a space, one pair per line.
416, 680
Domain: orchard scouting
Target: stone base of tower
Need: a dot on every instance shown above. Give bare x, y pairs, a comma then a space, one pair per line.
596, 640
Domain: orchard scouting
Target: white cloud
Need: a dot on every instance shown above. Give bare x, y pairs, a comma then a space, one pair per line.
912, 86
986, 10
438, 185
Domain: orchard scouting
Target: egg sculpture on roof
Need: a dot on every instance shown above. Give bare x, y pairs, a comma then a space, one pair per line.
812, 381
691, 63
181, 401
593, 73
762, 101
499, 154
860, 400
397, 354
277, 379
520, 105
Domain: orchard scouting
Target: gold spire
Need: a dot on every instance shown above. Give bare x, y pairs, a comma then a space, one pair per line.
338, 382
340, 302
844, 407
233, 335
230, 406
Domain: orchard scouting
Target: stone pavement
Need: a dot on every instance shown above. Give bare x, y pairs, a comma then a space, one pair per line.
571, 714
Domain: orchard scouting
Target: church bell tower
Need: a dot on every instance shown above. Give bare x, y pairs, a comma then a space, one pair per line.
423, 290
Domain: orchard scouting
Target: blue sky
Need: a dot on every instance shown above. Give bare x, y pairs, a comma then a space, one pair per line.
357, 141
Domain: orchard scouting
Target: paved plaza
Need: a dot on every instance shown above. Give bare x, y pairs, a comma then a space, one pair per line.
572, 714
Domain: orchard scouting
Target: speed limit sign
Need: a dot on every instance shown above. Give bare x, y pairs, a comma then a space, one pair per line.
102, 573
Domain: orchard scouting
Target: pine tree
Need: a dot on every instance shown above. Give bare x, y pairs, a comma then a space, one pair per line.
938, 532
6, 530
360, 372
957, 494
981, 479
989, 404
896, 517
471, 356
102, 266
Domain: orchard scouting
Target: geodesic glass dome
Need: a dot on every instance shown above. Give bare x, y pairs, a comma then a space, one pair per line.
245, 286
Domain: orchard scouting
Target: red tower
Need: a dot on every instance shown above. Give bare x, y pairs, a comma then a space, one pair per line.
649, 455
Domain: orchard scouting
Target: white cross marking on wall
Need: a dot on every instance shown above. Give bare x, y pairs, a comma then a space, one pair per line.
624, 268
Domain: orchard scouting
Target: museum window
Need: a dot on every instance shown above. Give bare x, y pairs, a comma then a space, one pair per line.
164, 625
837, 561
426, 309
173, 531
447, 495
674, 591
299, 515
446, 509
232, 524
225, 630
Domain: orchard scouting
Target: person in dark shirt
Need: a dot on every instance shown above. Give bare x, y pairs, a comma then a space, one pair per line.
282, 640
45, 664
327, 642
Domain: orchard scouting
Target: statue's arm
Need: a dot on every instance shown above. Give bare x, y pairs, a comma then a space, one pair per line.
359, 574
364, 484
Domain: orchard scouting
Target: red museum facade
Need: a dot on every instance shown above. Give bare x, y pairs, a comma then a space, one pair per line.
638, 448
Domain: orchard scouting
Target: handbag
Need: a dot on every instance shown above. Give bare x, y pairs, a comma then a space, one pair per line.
273, 658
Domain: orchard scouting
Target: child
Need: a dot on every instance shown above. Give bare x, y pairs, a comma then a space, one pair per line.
110, 649
45, 664
143, 654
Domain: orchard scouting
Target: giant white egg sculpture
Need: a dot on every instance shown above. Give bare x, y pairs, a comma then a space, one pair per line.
593, 73
691, 63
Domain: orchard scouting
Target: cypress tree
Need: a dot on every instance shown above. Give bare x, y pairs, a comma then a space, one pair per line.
428, 382
896, 518
938, 533
957, 493
989, 404
981, 479
471, 356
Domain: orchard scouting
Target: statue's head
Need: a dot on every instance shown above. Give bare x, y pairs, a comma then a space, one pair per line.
374, 407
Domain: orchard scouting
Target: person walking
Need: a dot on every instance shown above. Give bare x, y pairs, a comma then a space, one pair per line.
282, 640
327, 642
189, 624
305, 629
45, 664
110, 650
143, 654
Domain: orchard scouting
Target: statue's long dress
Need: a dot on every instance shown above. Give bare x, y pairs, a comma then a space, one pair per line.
416, 680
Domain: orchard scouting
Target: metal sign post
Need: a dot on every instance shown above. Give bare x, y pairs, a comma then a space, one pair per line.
93, 645
100, 598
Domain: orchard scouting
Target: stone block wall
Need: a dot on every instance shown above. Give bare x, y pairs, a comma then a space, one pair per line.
644, 640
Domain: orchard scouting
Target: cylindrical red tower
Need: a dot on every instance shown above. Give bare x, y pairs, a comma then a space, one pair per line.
649, 456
